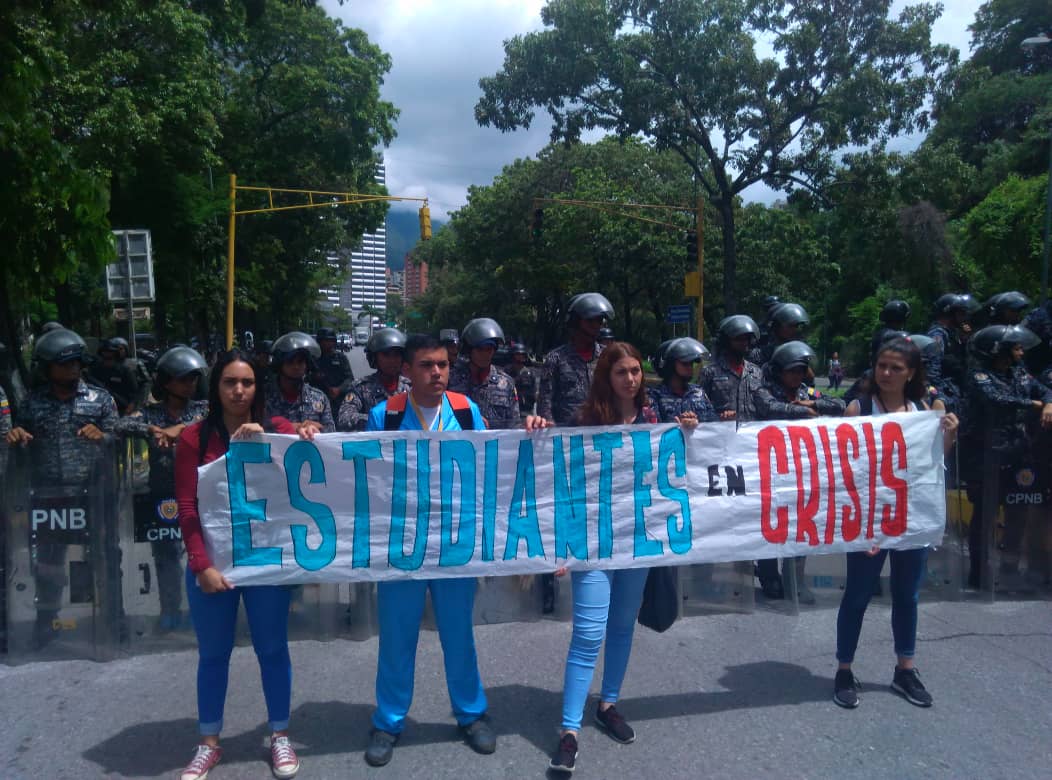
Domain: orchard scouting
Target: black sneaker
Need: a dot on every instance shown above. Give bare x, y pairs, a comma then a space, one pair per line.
613, 723
845, 689
480, 736
907, 684
381, 748
565, 758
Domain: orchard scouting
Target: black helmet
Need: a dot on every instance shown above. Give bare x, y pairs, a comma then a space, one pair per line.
922, 341
769, 302
47, 327
789, 314
686, 349
108, 345
791, 354
950, 302
585, 306
895, 311
738, 325
448, 336
289, 344
970, 304
605, 333
266, 346
383, 340
59, 346
325, 334
121, 343
994, 340
889, 334
1006, 301
516, 348
482, 329
180, 361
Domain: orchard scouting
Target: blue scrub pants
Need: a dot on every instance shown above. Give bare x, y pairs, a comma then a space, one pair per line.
215, 619
605, 603
401, 606
863, 571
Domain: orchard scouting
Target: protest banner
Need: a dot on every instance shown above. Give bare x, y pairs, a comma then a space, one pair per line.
387, 505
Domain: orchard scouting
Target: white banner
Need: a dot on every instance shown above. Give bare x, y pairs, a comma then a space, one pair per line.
388, 505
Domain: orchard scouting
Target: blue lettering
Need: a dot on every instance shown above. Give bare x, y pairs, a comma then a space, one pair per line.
242, 511
571, 516
605, 444
359, 452
396, 539
674, 446
459, 455
522, 514
489, 499
642, 462
298, 454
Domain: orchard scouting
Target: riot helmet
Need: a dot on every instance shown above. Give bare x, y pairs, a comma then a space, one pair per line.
792, 354
108, 345
954, 302
769, 302
264, 347
997, 340
291, 344
895, 311
383, 340
1006, 304
59, 346
325, 334
589, 305
47, 327
605, 334
178, 362
449, 337
481, 330
737, 325
923, 342
516, 348
672, 351
789, 314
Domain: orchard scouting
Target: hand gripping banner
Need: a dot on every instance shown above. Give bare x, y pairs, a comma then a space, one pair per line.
389, 505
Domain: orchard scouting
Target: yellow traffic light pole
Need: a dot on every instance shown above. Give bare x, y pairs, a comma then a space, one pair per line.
325, 200
694, 281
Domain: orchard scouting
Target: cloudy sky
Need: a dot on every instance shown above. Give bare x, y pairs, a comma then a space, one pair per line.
441, 49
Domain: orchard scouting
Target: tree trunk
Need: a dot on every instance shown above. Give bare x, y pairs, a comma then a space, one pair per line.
730, 255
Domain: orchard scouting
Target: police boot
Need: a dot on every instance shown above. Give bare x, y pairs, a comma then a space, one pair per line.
770, 582
795, 577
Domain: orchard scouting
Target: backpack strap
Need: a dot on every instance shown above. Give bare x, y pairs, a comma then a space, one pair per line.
461, 410
395, 412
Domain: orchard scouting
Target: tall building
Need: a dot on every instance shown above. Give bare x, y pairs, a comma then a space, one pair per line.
415, 280
367, 284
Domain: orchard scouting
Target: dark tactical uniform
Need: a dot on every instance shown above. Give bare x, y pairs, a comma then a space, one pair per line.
565, 380
944, 363
995, 432
65, 463
526, 387
668, 405
167, 552
773, 403
761, 355
363, 396
496, 397
334, 370
312, 404
1040, 322
118, 380
730, 392
5, 428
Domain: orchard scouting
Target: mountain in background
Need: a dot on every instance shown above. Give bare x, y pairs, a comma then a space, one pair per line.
403, 233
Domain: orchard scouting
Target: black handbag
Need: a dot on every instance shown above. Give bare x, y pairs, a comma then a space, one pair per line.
660, 606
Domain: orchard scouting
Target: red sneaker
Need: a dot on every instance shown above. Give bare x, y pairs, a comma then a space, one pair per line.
283, 758
206, 757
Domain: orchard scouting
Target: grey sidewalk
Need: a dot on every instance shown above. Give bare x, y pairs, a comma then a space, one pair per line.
735, 696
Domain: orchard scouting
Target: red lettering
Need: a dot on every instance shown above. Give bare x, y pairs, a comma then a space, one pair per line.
871, 451
769, 441
823, 434
892, 438
851, 522
805, 509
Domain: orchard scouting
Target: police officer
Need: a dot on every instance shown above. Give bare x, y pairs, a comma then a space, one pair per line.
525, 377
451, 341
481, 381
112, 374
605, 337
333, 375
787, 322
261, 356
384, 352
160, 422
66, 421
137, 366
996, 452
945, 361
1006, 308
567, 371
893, 317
675, 362
783, 395
730, 379
289, 395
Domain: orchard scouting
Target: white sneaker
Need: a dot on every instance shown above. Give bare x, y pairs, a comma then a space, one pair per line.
283, 758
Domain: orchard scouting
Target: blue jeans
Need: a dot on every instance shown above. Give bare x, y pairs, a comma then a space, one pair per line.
605, 603
401, 606
215, 619
863, 571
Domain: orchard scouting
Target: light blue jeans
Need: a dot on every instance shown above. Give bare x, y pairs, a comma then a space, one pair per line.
605, 604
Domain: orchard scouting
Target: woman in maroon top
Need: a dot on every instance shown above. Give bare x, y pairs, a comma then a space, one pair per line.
235, 412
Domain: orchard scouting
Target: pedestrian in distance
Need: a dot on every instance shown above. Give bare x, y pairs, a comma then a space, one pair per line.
427, 406
235, 411
605, 602
897, 385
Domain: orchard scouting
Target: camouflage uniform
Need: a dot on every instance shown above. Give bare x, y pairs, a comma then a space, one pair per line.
496, 397
363, 396
773, 403
669, 405
312, 404
944, 363
334, 370
526, 386
565, 380
761, 355
730, 391
118, 380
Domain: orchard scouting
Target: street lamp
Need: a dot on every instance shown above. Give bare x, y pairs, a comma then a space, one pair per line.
1030, 43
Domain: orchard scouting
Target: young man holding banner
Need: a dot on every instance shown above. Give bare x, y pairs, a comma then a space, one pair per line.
428, 407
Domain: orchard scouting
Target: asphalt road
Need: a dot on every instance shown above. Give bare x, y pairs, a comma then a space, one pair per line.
723, 696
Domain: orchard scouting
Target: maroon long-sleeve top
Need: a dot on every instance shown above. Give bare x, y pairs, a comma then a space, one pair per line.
187, 459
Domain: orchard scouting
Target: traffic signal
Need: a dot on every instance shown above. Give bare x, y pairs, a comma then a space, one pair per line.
692, 248
538, 222
425, 223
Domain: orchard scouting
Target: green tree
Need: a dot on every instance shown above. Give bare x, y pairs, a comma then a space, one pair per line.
688, 76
